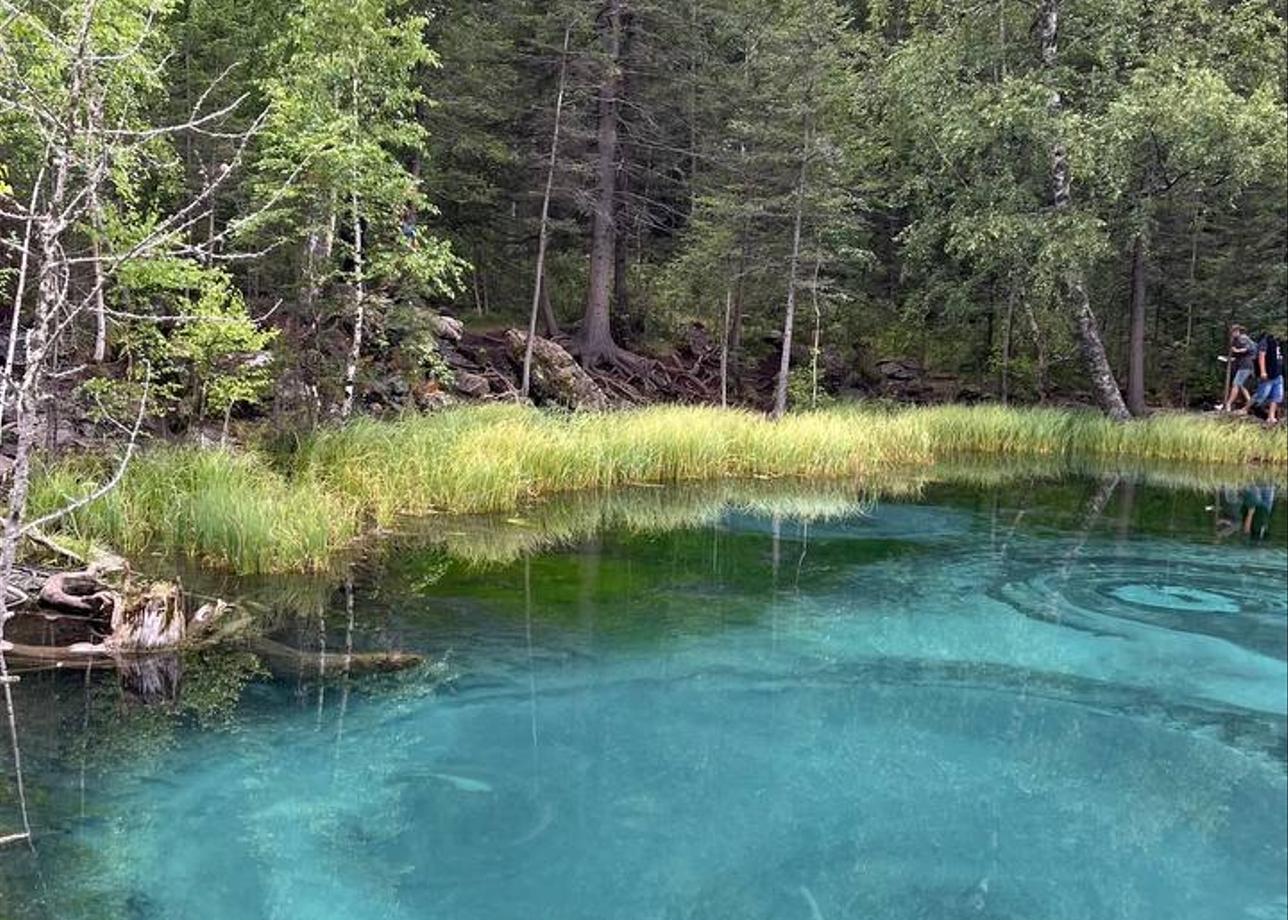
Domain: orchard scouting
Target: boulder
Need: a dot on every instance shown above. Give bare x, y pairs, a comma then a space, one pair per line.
429, 396
556, 377
901, 369
474, 386
446, 327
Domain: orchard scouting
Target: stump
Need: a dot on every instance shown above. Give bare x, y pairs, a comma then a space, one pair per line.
157, 621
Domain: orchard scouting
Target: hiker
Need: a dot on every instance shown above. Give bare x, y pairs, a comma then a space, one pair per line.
1270, 373
1228, 511
1258, 508
1243, 352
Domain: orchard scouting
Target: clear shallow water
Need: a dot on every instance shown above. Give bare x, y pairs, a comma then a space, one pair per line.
1045, 701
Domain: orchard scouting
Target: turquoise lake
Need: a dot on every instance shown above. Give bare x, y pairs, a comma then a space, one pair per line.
1041, 699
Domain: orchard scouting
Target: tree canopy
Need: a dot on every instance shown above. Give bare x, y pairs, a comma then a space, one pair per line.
979, 188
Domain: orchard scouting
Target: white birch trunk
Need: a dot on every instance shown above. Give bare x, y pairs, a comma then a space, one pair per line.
359, 313
789, 317
538, 282
724, 349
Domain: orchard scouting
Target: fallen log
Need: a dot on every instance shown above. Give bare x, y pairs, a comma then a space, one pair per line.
77, 655
284, 660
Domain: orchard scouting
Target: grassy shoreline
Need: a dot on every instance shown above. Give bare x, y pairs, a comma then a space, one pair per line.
252, 512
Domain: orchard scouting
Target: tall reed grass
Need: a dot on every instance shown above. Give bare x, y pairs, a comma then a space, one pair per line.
229, 510
254, 513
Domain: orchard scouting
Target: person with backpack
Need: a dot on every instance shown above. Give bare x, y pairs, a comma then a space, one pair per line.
1243, 352
1270, 373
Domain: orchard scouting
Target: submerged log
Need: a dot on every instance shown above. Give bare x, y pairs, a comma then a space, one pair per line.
283, 660
77, 655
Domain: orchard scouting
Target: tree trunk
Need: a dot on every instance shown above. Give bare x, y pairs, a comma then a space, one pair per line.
818, 323
359, 313
548, 319
626, 325
1040, 352
1136, 352
734, 336
474, 279
540, 295
100, 307
1006, 346
724, 350
1090, 346
789, 317
1189, 313
596, 336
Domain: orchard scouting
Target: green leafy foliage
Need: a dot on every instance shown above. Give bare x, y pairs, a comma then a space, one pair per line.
198, 351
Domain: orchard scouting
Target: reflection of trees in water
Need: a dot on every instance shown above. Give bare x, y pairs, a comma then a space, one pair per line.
562, 521
106, 724
1047, 747
568, 520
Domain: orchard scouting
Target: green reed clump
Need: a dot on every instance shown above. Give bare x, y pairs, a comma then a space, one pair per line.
226, 509
1083, 433
493, 458
243, 512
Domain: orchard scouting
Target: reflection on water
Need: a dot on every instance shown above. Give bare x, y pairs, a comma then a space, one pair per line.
1015, 699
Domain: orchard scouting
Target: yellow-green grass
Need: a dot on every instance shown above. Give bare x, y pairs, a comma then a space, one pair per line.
230, 510
1084, 434
494, 458
248, 512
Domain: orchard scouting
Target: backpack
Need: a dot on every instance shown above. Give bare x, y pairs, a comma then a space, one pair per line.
1274, 355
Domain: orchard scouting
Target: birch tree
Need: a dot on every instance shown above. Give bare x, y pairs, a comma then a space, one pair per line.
1099, 373
343, 97
539, 286
74, 88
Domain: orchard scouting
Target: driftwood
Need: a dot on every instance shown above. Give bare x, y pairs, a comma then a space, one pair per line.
81, 592
77, 655
153, 624
148, 628
155, 621
284, 660
15, 597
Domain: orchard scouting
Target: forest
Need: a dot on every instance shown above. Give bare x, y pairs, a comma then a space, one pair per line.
230, 223
1041, 200
454, 454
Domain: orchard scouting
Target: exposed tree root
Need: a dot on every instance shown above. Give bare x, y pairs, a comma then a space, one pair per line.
690, 374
